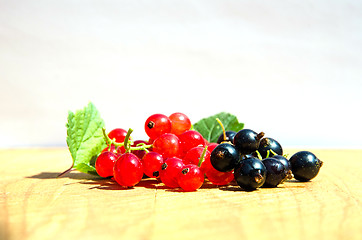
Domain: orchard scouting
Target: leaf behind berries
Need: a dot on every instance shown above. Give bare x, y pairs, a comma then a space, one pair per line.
210, 129
85, 138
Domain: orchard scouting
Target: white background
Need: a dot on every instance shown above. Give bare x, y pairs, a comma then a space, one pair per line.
289, 68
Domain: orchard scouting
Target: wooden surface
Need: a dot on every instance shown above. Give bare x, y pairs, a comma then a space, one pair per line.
34, 204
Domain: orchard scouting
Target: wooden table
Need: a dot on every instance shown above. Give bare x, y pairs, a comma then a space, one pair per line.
34, 204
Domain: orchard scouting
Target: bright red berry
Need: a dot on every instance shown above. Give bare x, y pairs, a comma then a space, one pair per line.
211, 146
139, 153
119, 135
180, 123
105, 163
168, 145
190, 178
190, 139
111, 148
214, 176
170, 170
156, 125
194, 154
128, 170
152, 163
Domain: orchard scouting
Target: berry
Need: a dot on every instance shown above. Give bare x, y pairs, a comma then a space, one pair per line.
111, 148
139, 153
128, 170
190, 178
194, 154
190, 139
156, 125
118, 134
168, 145
214, 176
271, 145
152, 163
180, 123
225, 157
229, 137
105, 163
275, 172
211, 146
247, 141
170, 170
305, 165
250, 174
284, 161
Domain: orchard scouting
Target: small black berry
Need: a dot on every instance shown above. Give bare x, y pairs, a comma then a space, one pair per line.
305, 165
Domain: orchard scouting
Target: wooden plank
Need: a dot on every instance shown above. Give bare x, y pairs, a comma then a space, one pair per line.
36, 205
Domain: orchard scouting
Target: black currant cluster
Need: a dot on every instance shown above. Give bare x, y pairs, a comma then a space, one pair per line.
258, 161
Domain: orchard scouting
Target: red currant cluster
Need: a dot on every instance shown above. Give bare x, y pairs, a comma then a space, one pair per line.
174, 154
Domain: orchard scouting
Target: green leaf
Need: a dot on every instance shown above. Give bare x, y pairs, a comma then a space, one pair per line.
85, 138
210, 129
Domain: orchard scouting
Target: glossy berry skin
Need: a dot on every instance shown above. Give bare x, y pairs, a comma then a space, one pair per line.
119, 135
156, 125
190, 178
152, 163
247, 141
225, 157
250, 174
111, 148
128, 170
194, 154
190, 139
211, 146
275, 172
139, 153
214, 176
105, 163
305, 165
229, 137
284, 161
180, 123
267, 144
168, 145
170, 170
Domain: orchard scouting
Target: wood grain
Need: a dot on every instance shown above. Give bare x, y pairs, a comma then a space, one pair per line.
34, 204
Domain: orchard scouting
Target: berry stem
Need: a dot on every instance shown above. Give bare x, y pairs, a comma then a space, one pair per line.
258, 155
223, 129
202, 156
127, 146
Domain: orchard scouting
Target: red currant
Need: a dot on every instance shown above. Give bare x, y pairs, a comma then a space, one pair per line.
190, 139
194, 154
156, 125
119, 135
105, 163
168, 145
179, 123
214, 176
111, 148
152, 163
139, 153
128, 170
170, 170
190, 178
211, 146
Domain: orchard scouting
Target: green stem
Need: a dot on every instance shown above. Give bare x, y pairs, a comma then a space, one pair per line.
202, 156
223, 129
258, 154
127, 146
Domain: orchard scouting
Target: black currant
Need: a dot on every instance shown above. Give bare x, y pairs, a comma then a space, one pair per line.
225, 157
271, 145
275, 172
284, 161
250, 174
305, 165
229, 137
247, 141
